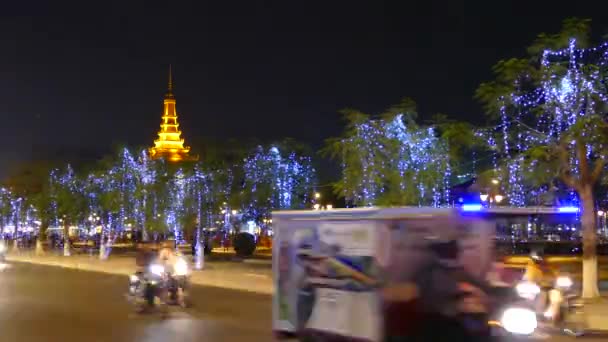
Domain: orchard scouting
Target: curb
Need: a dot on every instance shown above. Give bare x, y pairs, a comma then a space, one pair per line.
266, 289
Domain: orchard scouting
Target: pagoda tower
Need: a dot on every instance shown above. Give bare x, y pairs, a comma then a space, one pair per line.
169, 144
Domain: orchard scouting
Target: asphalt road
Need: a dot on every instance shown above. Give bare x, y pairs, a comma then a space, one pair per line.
39, 303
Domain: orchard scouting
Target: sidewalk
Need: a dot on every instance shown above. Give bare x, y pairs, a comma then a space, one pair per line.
236, 276
595, 315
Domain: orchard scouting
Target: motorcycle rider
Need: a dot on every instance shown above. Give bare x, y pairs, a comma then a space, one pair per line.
441, 294
167, 256
462, 293
146, 254
539, 271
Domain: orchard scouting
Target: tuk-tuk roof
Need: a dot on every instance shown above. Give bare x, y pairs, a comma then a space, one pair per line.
405, 212
365, 213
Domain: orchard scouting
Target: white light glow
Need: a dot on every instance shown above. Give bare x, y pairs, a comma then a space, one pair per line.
563, 282
527, 290
157, 269
519, 321
181, 267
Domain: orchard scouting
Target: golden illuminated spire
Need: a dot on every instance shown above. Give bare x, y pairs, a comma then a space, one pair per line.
170, 87
169, 144
169, 93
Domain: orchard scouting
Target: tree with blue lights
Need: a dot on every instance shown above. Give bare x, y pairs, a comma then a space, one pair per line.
198, 208
41, 202
68, 201
392, 160
127, 190
6, 208
551, 111
274, 180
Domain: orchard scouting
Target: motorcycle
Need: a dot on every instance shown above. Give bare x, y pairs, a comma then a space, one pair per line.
177, 283
564, 308
558, 307
514, 313
146, 289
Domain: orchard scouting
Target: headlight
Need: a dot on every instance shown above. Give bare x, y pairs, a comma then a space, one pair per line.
181, 267
563, 282
133, 278
519, 321
527, 290
157, 269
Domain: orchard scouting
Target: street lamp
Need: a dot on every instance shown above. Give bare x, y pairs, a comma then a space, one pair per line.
234, 212
317, 195
495, 181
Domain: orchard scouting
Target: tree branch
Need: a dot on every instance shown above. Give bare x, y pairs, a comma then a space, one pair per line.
565, 168
583, 163
569, 180
597, 170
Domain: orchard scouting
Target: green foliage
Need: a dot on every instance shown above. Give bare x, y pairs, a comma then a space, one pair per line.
393, 160
572, 28
66, 190
460, 138
550, 156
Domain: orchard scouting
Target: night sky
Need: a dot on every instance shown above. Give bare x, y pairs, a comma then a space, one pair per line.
82, 79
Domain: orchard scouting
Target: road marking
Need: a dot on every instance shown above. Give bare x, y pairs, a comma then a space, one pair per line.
257, 275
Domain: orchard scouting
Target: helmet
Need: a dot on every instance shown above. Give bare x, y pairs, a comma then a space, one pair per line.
537, 256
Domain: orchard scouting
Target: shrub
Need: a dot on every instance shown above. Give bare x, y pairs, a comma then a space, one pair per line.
244, 244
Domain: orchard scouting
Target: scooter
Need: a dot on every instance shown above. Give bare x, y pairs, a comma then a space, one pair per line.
146, 289
513, 313
564, 308
178, 283
559, 308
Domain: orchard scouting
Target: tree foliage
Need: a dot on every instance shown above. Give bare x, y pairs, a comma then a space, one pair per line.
127, 191
551, 111
393, 160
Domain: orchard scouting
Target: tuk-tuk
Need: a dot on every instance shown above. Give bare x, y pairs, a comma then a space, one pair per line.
347, 273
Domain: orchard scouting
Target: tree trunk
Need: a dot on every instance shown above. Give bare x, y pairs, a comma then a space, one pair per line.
105, 246
66, 240
102, 251
144, 233
66, 247
39, 248
41, 237
15, 244
199, 258
589, 230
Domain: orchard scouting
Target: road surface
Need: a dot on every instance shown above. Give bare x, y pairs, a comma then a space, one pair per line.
40, 303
